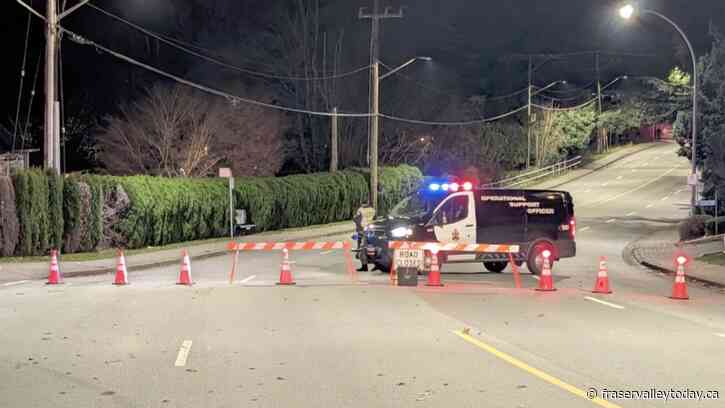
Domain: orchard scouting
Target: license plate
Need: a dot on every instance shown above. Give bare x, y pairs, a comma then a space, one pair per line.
409, 258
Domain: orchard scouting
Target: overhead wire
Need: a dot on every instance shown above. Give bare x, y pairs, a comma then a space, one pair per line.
22, 80
30, 102
583, 105
442, 92
79, 39
461, 123
218, 61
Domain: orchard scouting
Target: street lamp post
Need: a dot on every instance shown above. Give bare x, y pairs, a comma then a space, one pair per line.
627, 12
375, 123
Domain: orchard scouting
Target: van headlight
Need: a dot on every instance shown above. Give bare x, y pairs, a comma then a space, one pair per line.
401, 232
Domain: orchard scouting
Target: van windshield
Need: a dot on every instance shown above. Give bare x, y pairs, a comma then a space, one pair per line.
416, 205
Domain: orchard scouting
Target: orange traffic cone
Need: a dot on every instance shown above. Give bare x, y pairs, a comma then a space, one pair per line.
546, 282
434, 276
602, 285
679, 289
185, 274
54, 277
121, 272
285, 273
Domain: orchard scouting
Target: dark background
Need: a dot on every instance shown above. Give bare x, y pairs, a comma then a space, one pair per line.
473, 42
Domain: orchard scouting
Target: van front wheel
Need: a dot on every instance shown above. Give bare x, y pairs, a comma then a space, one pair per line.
535, 261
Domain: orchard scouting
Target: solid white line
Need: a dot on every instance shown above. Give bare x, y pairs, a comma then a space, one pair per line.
582, 229
245, 280
15, 283
183, 353
631, 214
603, 302
611, 221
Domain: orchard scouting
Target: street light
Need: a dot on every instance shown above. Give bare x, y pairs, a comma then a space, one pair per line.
627, 12
374, 126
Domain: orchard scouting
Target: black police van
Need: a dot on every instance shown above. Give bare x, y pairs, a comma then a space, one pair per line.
535, 220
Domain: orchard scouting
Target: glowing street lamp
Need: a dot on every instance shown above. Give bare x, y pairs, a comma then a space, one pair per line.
627, 12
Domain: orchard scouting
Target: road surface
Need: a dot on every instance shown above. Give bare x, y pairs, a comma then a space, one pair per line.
328, 342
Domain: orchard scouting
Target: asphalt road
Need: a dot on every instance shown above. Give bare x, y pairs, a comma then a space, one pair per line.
330, 342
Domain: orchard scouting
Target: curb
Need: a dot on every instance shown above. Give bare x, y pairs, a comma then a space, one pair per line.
605, 165
632, 253
151, 265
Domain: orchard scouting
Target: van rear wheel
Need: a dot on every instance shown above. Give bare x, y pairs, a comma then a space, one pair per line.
535, 261
496, 267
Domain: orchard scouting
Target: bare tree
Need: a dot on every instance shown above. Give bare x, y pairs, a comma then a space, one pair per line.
175, 131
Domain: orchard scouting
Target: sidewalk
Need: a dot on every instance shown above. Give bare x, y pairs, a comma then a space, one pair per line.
13, 272
595, 165
656, 251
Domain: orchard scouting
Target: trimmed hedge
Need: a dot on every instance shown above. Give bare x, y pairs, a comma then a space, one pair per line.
31, 200
90, 212
9, 229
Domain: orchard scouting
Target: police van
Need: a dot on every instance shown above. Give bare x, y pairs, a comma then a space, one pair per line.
535, 220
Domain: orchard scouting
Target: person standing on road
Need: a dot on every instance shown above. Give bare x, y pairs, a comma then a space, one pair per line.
363, 217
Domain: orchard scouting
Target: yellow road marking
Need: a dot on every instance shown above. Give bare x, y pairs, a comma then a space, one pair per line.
534, 371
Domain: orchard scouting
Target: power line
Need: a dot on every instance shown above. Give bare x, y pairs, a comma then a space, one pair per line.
22, 80
462, 123
583, 105
77, 38
30, 102
175, 44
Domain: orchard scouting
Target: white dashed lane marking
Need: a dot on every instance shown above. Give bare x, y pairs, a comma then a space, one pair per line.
611, 221
650, 205
665, 198
15, 283
245, 280
582, 229
631, 214
602, 302
720, 335
183, 353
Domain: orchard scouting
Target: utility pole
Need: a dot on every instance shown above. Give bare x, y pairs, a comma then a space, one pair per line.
333, 141
374, 121
529, 121
51, 142
51, 37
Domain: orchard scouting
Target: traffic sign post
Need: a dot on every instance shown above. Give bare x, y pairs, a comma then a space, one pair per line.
226, 172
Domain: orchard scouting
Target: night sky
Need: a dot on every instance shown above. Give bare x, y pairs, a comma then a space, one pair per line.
473, 43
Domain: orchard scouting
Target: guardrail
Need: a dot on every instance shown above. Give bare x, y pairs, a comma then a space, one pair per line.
551, 170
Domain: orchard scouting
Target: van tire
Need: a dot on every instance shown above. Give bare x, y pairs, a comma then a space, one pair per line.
536, 249
383, 268
496, 267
